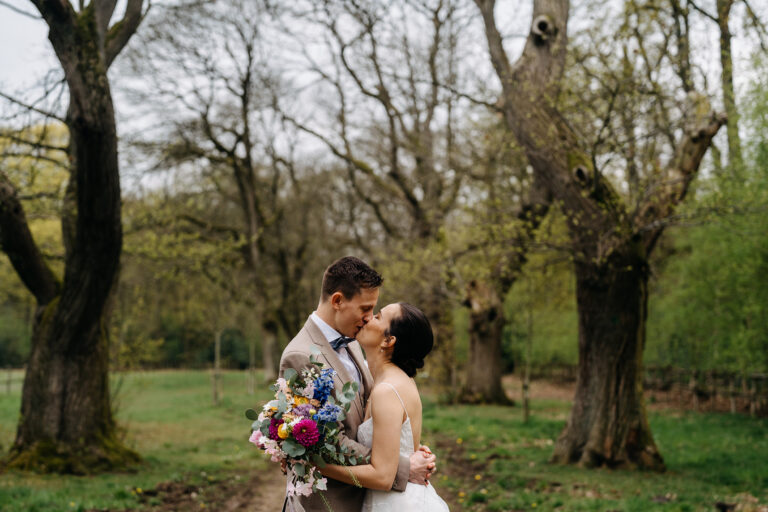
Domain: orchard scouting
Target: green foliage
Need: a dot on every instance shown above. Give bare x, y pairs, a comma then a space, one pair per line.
708, 303
708, 308
14, 338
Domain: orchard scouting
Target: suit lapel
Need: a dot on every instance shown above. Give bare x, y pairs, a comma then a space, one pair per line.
332, 360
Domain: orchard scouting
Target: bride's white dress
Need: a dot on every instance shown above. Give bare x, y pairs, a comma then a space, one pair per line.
415, 498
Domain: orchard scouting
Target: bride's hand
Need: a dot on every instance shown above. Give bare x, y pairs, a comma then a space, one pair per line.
422, 466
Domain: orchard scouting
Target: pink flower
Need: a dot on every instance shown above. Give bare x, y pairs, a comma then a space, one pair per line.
255, 436
304, 489
306, 432
273, 450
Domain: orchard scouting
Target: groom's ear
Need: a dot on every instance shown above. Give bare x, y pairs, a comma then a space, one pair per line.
336, 299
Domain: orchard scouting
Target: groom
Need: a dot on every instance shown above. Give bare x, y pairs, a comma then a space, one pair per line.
350, 291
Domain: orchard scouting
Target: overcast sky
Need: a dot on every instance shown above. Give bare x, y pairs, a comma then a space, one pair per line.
25, 53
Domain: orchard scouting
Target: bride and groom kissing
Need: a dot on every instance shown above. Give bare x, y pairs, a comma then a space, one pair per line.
385, 419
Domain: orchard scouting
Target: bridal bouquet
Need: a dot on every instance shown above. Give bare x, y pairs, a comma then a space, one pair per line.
301, 425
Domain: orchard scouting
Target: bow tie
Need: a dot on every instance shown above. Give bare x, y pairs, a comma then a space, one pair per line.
341, 342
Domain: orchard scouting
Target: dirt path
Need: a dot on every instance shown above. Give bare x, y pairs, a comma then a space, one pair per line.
262, 492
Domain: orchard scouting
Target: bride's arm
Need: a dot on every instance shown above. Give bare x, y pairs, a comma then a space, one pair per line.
388, 416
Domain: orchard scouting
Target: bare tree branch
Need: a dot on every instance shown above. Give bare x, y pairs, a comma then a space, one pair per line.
17, 242
19, 11
31, 107
121, 32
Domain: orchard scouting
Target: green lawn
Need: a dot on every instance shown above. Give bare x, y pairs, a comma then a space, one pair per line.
493, 461
489, 459
170, 420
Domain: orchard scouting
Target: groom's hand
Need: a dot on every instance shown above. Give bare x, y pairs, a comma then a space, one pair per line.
422, 466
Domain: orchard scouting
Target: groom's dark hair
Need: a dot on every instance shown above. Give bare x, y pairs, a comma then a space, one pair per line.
349, 275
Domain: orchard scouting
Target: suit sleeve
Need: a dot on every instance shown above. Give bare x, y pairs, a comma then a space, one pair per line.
298, 361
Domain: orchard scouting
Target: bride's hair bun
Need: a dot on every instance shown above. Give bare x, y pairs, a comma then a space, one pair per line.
414, 338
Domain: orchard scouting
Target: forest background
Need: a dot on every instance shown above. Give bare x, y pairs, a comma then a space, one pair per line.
185, 281
552, 183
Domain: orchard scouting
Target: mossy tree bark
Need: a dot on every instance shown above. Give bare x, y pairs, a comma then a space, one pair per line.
486, 325
608, 425
611, 243
66, 422
485, 300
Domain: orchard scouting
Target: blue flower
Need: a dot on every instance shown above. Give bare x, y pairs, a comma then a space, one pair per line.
324, 384
329, 413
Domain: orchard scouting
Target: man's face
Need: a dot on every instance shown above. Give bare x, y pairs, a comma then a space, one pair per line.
352, 314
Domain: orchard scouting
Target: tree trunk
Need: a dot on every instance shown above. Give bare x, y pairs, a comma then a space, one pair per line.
611, 244
735, 160
66, 422
442, 359
486, 326
608, 425
268, 350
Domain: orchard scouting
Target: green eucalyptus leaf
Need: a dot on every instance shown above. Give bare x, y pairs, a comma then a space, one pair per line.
282, 403
293, 449
251, 415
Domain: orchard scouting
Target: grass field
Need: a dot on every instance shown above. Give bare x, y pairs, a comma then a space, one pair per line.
488, 459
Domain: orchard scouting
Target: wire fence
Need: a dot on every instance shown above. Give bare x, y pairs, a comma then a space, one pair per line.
691, 389
11, 380
695, 389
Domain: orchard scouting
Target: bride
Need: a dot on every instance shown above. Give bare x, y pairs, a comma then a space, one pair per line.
396, 341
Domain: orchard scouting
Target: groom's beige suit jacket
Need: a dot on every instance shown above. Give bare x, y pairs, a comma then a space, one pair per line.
342, 497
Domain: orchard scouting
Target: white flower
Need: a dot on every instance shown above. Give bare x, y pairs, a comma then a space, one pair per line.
283, 385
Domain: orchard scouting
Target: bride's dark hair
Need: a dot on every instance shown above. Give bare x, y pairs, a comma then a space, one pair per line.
414, 338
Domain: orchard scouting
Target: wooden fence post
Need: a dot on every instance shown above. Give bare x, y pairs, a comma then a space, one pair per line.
216, 366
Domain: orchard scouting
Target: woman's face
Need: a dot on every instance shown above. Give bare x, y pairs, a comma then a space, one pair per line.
373, 333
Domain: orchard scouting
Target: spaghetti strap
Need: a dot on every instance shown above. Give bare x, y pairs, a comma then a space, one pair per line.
398, 397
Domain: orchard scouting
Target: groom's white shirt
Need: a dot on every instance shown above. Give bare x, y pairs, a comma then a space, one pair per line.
331, 334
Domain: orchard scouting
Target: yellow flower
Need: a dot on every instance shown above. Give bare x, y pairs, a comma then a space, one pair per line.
462, 494
533, 505
72, 504
459, 441
473, 456
283, 431
300, 400
478, 477
312, 411
138, 490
